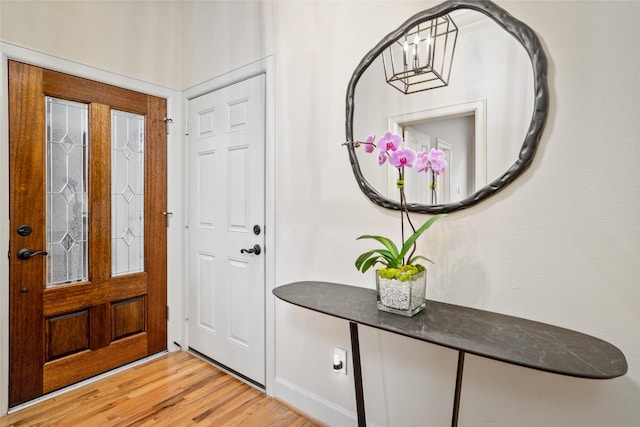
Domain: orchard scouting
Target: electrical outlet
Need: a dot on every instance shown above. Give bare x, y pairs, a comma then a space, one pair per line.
340, 360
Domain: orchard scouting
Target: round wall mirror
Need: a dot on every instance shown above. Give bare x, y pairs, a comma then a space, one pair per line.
486, 110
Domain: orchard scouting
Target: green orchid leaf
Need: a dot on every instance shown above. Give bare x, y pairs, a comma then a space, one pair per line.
362, 258
391, 247
391, 258
395, 263
417, 257
388, 256
371, 262
411, 240
380, 255
382, 252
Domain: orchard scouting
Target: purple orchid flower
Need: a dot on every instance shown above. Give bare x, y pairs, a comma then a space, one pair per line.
436, 161
422, 162
382, 158
389, 142
402, 158
369, 145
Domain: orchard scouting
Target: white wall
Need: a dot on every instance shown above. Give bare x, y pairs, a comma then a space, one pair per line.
560, 245
137, 39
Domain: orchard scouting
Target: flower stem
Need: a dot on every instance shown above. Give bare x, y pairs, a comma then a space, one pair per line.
400, 185
413, 249
434, 194
404, 212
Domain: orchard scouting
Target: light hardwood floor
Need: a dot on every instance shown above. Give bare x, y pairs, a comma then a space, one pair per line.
175, 390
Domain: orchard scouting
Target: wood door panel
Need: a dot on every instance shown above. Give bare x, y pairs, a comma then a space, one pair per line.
100, 325
127, 318
77, 367
26, 125
155, 257
67, 334
77, 89
66, 298
100, 193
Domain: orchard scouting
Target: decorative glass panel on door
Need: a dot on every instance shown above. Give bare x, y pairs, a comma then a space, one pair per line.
66, 181
127, 193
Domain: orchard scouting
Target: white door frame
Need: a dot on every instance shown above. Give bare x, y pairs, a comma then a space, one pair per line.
174, 190
477, 108
266, 66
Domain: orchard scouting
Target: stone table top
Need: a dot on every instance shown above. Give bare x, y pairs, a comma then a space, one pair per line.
483, 333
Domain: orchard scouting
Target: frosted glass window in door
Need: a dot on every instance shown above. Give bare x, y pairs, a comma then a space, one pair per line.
66, 189
127, 193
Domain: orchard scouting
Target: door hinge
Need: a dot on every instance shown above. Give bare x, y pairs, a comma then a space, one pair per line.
168, 122
167, 313
166, 215
186, 127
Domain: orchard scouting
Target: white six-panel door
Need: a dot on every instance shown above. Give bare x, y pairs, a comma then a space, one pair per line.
226, 308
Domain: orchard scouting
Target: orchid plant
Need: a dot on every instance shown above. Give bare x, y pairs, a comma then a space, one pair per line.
400, 263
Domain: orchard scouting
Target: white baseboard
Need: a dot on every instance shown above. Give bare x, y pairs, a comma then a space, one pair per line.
314, 406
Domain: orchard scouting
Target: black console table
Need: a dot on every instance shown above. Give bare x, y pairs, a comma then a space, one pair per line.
482, 333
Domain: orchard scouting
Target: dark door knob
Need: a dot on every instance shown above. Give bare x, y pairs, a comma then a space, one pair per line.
26, 253
24, 230
254, 250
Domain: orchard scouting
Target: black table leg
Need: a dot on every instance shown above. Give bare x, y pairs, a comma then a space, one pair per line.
357, 373
456, 398
357, 379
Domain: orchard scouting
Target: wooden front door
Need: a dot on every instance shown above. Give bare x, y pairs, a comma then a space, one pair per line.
88, 234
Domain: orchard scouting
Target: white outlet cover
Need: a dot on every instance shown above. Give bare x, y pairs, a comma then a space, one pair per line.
342, 355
